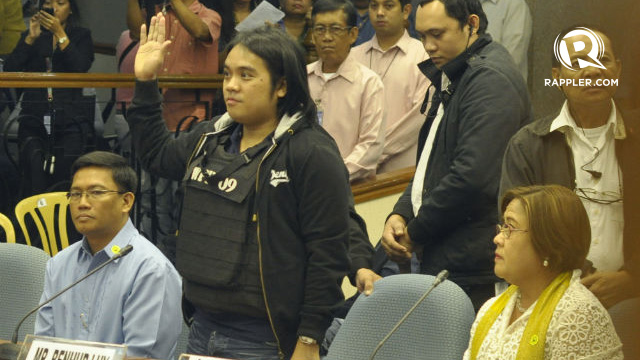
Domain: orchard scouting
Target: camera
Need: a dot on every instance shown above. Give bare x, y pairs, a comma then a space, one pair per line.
47, 10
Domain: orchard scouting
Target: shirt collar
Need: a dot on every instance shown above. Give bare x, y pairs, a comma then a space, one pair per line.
122, 239
564, 121
348, 69
363, 17
233, 147
403, 44
456, 67
493, 1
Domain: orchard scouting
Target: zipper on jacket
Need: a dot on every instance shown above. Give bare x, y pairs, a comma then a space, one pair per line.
194, 153
264, 291
199, 145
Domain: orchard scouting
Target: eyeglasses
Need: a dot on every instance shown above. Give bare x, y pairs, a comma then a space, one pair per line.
334, 30
507, 230
91, 194
599, 197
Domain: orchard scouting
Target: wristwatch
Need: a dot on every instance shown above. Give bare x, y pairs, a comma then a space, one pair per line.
307, 340
62, 40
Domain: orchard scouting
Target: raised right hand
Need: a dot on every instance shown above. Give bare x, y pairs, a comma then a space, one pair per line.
153, 48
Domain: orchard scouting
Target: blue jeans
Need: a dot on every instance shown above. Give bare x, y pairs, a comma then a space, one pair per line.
203, 341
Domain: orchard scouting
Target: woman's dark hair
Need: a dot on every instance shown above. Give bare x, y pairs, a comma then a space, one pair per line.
461, 10
74, 16
123, 175
285, 61
225, 9
323, 6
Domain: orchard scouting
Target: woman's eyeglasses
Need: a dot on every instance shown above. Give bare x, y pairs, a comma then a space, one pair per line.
507, 230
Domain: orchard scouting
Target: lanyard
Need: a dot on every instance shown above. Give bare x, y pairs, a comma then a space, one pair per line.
49, 65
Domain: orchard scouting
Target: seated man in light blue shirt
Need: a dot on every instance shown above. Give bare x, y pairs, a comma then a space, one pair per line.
136, 300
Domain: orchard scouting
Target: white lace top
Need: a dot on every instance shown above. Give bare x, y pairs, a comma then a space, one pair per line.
580, 329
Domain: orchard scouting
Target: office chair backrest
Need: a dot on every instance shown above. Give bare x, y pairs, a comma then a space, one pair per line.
183, 340
437, 329
49, 213
22, 270
7, 226
625, 316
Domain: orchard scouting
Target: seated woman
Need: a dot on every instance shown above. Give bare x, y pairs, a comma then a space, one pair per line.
55, 43
546, 313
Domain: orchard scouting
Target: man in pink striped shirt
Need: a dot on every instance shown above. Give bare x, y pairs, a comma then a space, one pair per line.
349, 96
395, 56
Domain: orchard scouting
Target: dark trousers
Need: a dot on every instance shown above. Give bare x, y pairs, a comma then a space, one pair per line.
479, 294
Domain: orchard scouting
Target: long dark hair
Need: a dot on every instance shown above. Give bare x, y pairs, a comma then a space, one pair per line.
225, 9
285, 60
74, 16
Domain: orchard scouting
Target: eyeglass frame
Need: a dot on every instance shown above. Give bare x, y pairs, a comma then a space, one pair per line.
582, 193
93, 194
507, 229
334, 30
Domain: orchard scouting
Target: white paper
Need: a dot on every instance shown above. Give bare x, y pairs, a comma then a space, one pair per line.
263, 13
45, 350
200, 357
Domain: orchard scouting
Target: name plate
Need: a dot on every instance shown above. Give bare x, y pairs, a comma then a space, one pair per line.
49, 348
199, 357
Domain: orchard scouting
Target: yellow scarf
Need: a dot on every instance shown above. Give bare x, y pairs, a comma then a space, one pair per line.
535, 332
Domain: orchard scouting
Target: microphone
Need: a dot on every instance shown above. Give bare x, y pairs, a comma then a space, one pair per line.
442, 276
9, 351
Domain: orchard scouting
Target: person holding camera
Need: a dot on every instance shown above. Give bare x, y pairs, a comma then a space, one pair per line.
55, 43
194, 31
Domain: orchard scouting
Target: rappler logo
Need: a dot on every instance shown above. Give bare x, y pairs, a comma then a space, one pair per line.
574, 41
589, 48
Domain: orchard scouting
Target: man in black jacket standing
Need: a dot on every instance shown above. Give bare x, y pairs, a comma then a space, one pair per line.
264, 225
448, 212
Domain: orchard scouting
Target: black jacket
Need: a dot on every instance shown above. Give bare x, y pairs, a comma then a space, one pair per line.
303, 223
72, 123
537, 156
486, 103
77, 57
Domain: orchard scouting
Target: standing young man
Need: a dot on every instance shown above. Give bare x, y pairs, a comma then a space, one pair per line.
449, 210
395, 56
348, 95
264, 220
